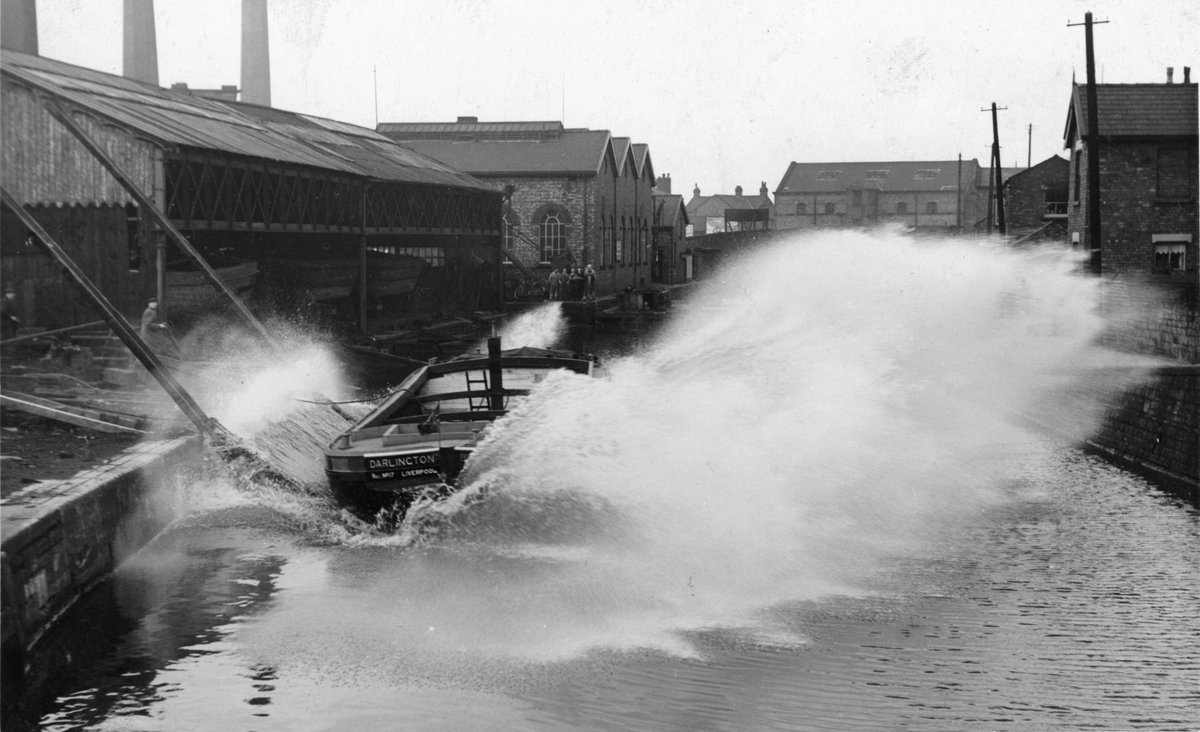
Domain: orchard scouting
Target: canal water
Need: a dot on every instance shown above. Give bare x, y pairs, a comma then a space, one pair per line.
820, 497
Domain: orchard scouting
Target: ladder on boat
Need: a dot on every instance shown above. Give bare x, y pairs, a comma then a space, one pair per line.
478, 403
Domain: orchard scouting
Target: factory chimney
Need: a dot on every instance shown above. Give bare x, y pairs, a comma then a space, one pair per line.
256, 53
141, 47
19, 30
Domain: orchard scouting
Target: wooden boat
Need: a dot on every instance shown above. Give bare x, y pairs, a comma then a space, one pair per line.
388, 275
187, 286
416, 442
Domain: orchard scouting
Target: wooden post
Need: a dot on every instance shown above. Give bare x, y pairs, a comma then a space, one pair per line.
495, 375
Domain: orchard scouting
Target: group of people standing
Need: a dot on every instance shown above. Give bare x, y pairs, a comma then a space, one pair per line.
573, 283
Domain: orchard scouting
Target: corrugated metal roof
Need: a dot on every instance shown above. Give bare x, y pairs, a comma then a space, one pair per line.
574, 152
929, 175
179, 119
1136, 110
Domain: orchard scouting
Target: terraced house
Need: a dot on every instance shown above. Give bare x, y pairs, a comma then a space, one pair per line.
573, 196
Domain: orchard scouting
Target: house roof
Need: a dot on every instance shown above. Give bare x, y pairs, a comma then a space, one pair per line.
575, 152
178, 119
668, 208
621, 149
641, 158
701, 206
906, 175
1052, 161
1134, 110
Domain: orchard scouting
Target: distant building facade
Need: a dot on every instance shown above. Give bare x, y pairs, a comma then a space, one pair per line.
573, 196
930, 195
712, 214
1148, 167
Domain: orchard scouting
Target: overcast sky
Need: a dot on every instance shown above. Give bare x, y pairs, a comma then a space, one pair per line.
725, 93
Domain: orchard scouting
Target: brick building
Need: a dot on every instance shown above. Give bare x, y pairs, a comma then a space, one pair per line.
669, 229
928, 195
707, 214
1148, 163
1035, 201
573, 196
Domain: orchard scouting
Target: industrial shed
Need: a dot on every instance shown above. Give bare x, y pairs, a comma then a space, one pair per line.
324, 211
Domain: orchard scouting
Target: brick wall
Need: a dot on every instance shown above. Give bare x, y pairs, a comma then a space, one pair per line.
1131, 210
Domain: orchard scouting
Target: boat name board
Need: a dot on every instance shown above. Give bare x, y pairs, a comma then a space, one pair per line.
391, 467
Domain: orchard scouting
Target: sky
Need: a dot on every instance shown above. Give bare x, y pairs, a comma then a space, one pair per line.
724, 93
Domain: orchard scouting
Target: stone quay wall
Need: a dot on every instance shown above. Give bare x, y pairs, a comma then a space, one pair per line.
62, 538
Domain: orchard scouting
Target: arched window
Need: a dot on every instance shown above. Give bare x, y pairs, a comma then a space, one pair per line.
830, 209
931, 207
801, 209
552, 236
902, 208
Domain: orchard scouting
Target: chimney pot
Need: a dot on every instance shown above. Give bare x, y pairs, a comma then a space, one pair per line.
737, 191
1187, 74
468, 120
1170, 74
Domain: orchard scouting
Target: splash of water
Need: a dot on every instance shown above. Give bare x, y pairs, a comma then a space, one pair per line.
827, 403
540, 327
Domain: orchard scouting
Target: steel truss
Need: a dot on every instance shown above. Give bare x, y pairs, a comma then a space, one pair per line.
205, 190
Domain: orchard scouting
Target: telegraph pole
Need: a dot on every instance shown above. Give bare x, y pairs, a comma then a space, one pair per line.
1092, 145
996, 177
1029, 150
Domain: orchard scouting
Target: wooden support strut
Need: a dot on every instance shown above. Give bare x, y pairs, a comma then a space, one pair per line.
228, 446
115, 320
63, 116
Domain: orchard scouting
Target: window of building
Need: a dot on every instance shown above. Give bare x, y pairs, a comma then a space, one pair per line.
931, 207
830, 209
133, 241
1077, 159
829, 175
927, 173
902, 208
552, 236
857, 196
1170, 252
1169, 257
1173, 177
434, 256
801, 209
875, 175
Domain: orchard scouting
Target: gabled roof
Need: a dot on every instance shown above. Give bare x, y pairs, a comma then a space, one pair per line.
176, 118
576, 152
1134, 110
668, 208
702, 206
1052, 161
905, 175
641, 158
506, 148
622, 150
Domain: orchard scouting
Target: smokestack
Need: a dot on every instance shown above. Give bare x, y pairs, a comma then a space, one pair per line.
19, 30
256, 53
141, 47
1170, 74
